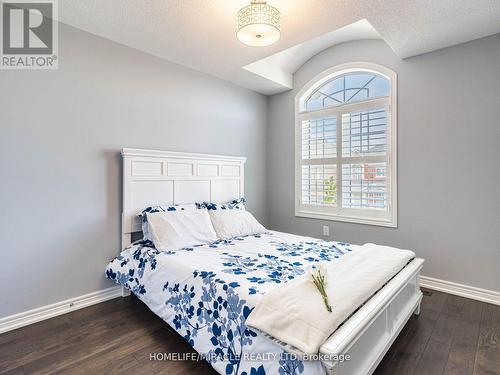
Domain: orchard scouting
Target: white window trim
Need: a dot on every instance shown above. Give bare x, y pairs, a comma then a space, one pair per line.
349, 215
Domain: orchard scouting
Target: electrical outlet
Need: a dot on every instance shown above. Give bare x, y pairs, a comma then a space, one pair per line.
326, 230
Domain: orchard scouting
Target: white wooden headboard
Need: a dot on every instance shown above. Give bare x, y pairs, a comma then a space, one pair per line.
152, 177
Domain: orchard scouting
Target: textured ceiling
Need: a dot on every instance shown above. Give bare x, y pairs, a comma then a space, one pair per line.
280, 67
201, 33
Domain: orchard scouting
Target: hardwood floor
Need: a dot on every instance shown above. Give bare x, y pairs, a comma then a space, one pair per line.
453, 336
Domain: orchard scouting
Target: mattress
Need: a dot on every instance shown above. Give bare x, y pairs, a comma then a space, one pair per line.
206, 293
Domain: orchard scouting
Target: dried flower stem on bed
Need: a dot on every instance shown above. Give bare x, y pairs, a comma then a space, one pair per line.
318, 275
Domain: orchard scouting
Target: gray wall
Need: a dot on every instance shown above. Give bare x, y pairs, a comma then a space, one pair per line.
61, 132
449, 158
60, 170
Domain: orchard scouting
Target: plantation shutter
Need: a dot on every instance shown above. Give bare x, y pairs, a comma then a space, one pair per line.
343, 151
364, 149
319, 152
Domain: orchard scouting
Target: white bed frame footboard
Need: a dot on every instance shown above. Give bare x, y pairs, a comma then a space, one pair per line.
367, 335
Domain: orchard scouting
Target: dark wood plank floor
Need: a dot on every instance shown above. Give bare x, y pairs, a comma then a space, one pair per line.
453, 335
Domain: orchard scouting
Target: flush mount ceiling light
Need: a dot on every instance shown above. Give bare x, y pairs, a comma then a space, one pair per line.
258, 24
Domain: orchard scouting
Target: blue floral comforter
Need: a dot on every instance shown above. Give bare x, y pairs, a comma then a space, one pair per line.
206, 293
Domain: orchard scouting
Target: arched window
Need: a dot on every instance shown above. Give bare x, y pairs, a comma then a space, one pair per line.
346, 146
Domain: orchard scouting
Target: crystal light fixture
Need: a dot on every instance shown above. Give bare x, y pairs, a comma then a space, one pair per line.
259, 24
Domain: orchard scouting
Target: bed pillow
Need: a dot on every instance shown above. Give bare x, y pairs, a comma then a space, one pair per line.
163, 208
173, 230
235, 204
234, 223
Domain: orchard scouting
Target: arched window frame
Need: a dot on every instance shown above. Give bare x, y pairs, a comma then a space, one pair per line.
387, 217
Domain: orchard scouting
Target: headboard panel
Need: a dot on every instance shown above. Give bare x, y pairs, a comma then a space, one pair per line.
152, 177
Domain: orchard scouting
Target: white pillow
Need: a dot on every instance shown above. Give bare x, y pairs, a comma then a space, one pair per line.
149, 210
234, 223
173, 230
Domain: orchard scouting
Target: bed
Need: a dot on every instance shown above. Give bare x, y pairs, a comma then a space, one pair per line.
207, 292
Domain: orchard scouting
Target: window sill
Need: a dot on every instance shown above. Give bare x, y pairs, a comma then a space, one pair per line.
357, 220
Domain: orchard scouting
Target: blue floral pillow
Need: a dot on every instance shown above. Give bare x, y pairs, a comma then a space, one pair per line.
235, 204
153, 209
174, 207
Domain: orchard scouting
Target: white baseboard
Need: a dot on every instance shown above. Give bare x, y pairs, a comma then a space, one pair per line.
45, 312
462, 290
25, 318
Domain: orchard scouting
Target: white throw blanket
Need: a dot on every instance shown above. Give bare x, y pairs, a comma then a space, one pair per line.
295, 313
